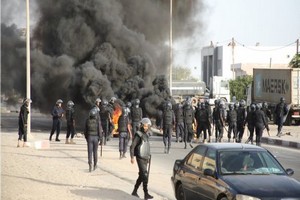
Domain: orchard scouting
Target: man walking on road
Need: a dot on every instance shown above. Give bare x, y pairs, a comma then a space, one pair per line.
23, 119
57, 115
281, 110
140, 148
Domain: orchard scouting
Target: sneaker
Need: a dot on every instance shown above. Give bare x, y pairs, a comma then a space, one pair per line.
57, 140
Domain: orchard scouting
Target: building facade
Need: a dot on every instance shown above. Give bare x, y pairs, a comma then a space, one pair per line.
233, 61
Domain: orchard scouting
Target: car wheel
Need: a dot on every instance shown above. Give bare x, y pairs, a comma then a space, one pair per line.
180, 193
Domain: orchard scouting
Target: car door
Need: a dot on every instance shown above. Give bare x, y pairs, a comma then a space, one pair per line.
191, 171
207, 185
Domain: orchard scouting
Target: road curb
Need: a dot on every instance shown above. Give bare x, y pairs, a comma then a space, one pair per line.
279, 142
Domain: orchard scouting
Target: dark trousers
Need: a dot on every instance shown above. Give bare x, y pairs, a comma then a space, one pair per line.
202, 127
219, 130
251, 131
240, 131
56, 126
92, 146
167, 135
22, 133
258, 133
188, 132
123, 142
70, 130
232, 128
279, 122
105, 127
143, 174
135, 127
179, 130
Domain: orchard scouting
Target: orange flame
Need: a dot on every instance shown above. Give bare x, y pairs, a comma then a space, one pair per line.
116, 115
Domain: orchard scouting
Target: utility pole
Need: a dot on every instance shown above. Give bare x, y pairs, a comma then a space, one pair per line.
232, 46
28, 93
171, 48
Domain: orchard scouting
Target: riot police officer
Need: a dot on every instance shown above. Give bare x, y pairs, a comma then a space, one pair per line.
260, 123
189, 120
136, 115
168, 122
250, 121
70, 117
23, 119
111, 106
208, 108
219, 115
105, 117
231, 120
179, 125
241, 118
57, 115
281, 110
202, 119
140, 148
92, 134
124, 129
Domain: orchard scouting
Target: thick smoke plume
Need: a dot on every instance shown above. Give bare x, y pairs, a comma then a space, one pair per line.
84, 49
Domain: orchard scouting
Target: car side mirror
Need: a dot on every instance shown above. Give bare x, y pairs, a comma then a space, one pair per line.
289, 172
209, 172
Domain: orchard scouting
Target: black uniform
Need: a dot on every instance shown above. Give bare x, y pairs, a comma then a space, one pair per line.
179, 125
23, 119
231, 119
208, 108
202, 118
281, 110
57, 114
70, 116
219, 122
136, 116
140, 148
105, 117
92, 134
260, 125
123, 129
168, 121
250, 121
241, 118
188, 119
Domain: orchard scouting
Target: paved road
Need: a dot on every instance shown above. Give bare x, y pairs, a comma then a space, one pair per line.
121, 171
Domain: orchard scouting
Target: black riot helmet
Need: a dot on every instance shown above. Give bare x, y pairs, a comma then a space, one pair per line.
282, 99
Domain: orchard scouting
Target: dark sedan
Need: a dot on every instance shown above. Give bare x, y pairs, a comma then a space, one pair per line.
223, 171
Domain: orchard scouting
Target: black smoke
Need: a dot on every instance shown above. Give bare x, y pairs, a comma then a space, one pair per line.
84, 49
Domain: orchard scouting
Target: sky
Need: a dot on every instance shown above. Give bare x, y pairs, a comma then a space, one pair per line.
269, 22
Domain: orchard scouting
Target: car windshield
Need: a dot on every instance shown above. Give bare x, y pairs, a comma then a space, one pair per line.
248, 162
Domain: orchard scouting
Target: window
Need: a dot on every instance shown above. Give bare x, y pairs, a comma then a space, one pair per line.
210, 160
196, 157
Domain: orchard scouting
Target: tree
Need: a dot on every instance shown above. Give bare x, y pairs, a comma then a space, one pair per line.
295, 62
239, 86
182, 73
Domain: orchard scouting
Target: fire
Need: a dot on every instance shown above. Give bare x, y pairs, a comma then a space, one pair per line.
116, 114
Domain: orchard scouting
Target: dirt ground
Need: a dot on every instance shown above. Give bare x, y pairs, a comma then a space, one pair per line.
59, 172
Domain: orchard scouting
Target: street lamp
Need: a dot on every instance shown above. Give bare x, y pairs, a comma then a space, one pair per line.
28, 65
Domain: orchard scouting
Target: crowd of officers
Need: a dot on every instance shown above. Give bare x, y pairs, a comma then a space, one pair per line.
201, 121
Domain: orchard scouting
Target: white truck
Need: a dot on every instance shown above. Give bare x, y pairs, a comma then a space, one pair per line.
219, 88
269, 85
183, 89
